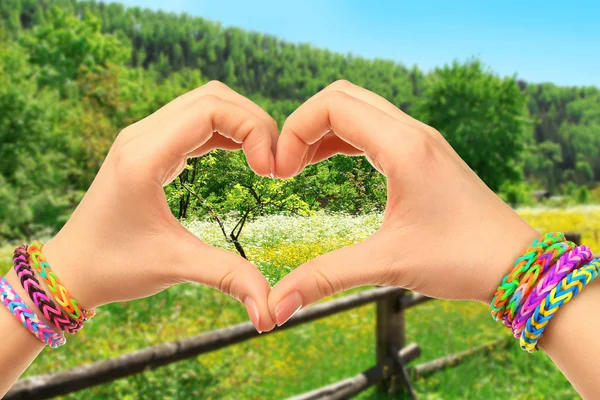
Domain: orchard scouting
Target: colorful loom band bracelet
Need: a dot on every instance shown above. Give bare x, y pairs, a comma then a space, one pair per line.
28, 318
511, 281
61, 295
531, 277
564, 266
32, 286
568, 288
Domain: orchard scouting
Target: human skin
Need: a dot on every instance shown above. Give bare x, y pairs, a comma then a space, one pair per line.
444, 234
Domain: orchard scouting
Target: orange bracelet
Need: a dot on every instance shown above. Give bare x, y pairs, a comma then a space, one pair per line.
61, 295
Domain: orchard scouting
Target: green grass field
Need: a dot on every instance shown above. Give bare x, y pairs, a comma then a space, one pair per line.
306, 357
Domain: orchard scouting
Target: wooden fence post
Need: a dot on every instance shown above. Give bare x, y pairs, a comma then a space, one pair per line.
574, 237
390, 335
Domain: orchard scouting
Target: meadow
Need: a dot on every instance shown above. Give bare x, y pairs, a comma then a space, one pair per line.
306, 357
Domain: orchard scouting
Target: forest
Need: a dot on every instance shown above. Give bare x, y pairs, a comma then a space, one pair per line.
74, 73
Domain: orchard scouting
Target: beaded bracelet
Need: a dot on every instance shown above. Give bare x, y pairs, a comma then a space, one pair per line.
565, 265
530, 279
61, 295
28, 318
569, 287
32, 286
511, 281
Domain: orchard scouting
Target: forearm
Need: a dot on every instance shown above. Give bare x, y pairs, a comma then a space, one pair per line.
18, 346
571, 340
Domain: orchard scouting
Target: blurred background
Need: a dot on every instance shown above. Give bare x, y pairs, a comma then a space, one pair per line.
513, 87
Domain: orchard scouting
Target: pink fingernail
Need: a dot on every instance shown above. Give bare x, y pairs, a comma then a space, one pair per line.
288, 307
253, 313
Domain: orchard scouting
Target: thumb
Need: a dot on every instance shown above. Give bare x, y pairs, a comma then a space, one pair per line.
362, 264
229, 273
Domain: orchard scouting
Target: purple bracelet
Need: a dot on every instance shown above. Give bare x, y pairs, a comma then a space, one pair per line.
566, 264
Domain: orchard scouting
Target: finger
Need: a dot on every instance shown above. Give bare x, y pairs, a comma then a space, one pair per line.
216, 142
329, 274
373, 99
219, 89
334, 145
384, 105
361, 125
227, 272
330, 146
192, 128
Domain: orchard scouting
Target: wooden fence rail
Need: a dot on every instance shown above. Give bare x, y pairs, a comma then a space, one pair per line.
93, 374
349, 387
438, 364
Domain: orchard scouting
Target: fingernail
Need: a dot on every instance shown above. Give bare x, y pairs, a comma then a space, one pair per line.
252, 312
288, 307
272, 167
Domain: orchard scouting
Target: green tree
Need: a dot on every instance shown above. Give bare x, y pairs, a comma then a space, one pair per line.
542, 162
220, 185
74, 73
34, 165
482, 116
64, 47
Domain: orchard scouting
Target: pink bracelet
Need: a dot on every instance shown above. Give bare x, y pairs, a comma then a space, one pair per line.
566, 264
28, 318
53, 313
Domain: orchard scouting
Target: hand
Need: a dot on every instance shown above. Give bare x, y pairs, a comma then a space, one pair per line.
444, 233
123, 243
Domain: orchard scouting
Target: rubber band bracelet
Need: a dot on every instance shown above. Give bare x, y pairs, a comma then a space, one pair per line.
564, 266
550, 256
568, 288
511, 281
29, 318
32, 286
61, 295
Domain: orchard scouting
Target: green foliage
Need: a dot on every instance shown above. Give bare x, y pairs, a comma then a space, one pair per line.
570, 118
66, 47
74, 73
34, 188
221, 183
577, 194
516, 194
542, 163
583, 195
482, 116
595, 195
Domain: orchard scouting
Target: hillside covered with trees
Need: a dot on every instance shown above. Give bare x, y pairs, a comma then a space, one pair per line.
73, 74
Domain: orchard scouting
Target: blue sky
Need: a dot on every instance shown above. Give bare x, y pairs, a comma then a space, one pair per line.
540, 41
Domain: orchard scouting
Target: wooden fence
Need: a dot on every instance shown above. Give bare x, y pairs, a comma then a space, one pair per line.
390, 372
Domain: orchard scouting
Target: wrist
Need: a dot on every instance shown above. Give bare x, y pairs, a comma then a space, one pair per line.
71, 272
512, 243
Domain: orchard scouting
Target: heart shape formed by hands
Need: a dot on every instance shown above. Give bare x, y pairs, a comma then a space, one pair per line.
438, 210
